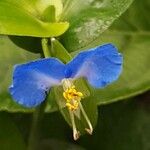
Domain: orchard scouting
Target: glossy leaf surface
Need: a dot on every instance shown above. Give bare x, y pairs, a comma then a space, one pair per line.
88, 19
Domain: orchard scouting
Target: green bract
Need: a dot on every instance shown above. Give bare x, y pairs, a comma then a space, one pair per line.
25, 18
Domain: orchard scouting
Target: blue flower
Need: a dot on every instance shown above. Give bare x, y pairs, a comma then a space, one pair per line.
32, 81
99, 66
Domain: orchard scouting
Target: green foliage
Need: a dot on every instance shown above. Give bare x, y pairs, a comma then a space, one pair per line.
121, 126
59, 51
88, 19
131, 42
24, 18
30, 44
33, 43
10, 137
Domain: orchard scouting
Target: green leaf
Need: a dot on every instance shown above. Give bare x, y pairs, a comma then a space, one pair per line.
24, 18
31, 44
88, 19
136, 19
10, 137
47, 17
58, 7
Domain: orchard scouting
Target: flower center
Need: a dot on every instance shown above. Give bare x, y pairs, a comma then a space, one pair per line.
71, 95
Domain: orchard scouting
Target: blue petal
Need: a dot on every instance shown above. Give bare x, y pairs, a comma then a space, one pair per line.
100, 66
33, 80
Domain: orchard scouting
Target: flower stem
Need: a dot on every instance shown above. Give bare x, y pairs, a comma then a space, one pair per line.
45, 47
35, 127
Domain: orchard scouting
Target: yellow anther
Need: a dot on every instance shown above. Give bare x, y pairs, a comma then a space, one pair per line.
72, 98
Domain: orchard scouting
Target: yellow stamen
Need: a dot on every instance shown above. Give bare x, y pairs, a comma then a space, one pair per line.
72, 97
